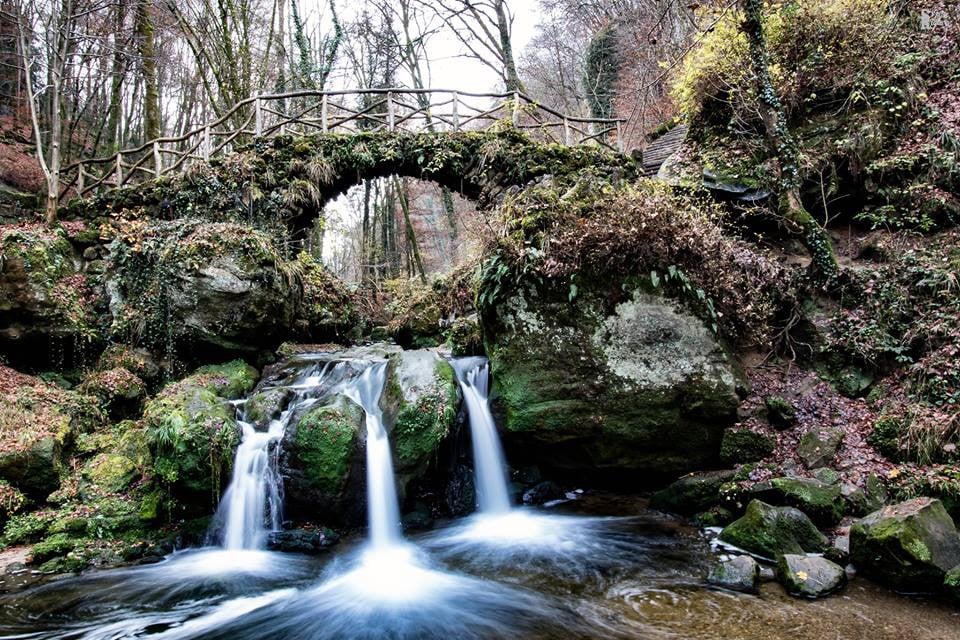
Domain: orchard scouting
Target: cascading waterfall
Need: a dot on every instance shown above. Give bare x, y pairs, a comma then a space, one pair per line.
490, 467
254, 497
383, 511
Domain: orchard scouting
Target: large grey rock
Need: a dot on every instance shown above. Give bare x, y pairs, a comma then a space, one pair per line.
770, 532
740, 573
693, 492
908, 546
639, 383
809, 576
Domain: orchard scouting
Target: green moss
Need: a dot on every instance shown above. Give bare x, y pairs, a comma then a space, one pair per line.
780, 412
325, 441
112, 472
744, 445
773, 531
822, 502
421, 427
230, 380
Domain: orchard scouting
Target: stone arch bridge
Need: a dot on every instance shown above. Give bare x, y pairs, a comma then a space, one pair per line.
282, 157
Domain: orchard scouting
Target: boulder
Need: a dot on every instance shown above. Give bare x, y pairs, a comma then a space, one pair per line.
908, 546
460, 496
119, 391
608, 380
823, 502
193, 432
692, 493
818, 447
781, 413
542, 493
769, 531
809, 576
740, 573
219, 287
744, 445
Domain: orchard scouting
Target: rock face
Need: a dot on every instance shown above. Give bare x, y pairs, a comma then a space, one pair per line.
741, 573
809, 576
640, 384
773, 531
908, 546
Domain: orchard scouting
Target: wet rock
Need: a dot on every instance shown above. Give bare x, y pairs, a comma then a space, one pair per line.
770, 531
740, 573
744, 445
460, 495
542, 493
716, 516
827, 475
119, 391
839, 549
693, 492
637, 385
809, 576
822, 502
418, 519
781, 413
908, 546
302, 540
529, 474
818, 447
265, 405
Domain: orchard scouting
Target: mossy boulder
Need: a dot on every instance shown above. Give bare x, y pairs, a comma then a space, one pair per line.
809, 576
744, 445
780, 412
823, 502
770, 532
119, 391
818, 446
322, 462
421, 399
39, 423
266, 404
740, 573
693, 492
908, 546
951, 584
192, 431
596, 378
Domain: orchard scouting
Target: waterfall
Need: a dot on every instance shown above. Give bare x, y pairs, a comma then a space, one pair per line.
490, 467
252, 505
383, 511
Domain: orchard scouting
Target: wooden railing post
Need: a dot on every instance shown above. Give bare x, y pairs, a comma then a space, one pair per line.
456, 111
619, 138
118, 169
566, 132
323, 114
205, 146
157, 160
391, 118
516, 108
258, 114
80, 180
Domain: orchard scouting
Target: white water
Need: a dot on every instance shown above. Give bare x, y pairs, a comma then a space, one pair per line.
252, 505
490, 467
383, 511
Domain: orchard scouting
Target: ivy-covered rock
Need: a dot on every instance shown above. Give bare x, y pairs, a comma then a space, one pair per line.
595, 378
744, 445
780, 412
819, 446
951, 584
809, 576
908, 546
770, 532
693, 492
42, 292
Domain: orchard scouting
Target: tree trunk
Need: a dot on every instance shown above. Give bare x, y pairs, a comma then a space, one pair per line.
147, 49
510, 75
411, 233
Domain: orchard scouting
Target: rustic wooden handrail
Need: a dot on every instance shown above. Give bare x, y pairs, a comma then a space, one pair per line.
371, 110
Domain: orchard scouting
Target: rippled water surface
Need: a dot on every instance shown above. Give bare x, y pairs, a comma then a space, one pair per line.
598, 567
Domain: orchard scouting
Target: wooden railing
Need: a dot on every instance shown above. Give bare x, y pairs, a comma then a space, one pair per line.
365, 110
